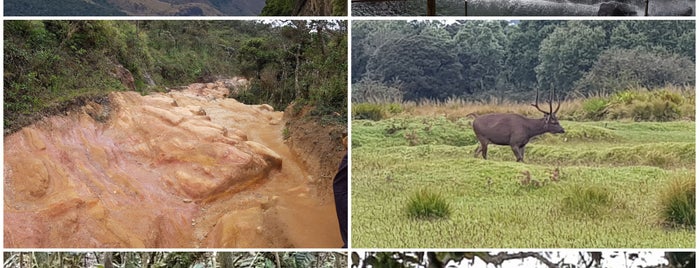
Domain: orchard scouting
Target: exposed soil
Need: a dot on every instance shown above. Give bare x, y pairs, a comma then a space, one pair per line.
189, 169
318, 145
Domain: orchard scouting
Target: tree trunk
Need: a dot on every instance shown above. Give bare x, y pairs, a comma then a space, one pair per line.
225, 259
431, 8
108, 260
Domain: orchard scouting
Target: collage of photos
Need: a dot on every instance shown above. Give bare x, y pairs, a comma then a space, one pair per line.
349, 134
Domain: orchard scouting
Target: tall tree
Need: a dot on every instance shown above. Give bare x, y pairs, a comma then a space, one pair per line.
567, 53
523, 51
481, 47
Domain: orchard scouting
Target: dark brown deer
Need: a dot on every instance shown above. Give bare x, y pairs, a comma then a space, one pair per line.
515, 130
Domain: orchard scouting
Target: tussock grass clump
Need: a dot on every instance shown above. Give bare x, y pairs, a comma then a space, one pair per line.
677, 202
591, 201
427, 205
368, 111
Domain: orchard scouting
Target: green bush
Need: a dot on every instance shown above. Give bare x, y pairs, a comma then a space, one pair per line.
278, 8
640, 105
616, 69
425, 204
394, 108
368, 111
677, 202
595, 108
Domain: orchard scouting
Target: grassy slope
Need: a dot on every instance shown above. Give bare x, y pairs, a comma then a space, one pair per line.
632, 161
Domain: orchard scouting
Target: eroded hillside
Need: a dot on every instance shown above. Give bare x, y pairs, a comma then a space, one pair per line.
188, 168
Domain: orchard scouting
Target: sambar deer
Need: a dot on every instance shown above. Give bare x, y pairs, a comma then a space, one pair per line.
515, 130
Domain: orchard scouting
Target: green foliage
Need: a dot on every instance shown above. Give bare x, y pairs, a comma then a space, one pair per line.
678, 202
589, 201
481, 50
368, 111
48, 67
479, 59
661, 105
278, 8
424, 65
339, 8
425, 204
579, 43
619, 69
594, 108
49, 64
394, 108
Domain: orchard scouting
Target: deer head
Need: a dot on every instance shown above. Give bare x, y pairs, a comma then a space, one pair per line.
550, 120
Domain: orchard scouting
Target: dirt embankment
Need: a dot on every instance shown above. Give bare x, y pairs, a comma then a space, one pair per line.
189, 168
319, 146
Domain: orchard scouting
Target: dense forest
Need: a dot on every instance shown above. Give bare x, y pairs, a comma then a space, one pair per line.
296, 8
394, 61
176, 259
50, 65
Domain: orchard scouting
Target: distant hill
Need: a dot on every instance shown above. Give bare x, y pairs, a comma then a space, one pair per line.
133, 7
60, 8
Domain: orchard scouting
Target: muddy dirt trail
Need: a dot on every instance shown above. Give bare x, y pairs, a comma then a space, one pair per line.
186, 169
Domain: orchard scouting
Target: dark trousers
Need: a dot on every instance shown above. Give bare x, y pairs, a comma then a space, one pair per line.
340, 192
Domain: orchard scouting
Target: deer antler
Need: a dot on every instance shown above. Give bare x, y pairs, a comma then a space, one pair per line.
559, 102
536, 103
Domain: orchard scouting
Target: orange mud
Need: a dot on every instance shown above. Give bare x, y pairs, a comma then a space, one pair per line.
186, 169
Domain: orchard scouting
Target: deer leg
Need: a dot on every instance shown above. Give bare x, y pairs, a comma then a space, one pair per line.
519, 152
484, 150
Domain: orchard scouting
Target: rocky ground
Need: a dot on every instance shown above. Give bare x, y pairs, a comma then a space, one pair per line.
189, 168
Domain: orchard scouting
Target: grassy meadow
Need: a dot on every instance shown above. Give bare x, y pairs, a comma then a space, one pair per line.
599, 185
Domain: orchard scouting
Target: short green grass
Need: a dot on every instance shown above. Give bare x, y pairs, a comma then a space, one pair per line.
600, 185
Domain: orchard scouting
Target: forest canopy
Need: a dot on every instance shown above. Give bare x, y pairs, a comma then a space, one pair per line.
508, 60
51, 64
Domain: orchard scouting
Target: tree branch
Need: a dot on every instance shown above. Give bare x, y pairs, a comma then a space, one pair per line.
504, 256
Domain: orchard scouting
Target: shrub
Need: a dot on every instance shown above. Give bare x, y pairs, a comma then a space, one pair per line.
368, 111
595, 108
425, 204
654, 110
394, 108
677, 202
368, 90
587, 200
617, 69
661, 105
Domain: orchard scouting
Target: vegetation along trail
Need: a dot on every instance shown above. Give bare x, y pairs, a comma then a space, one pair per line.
188, 168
